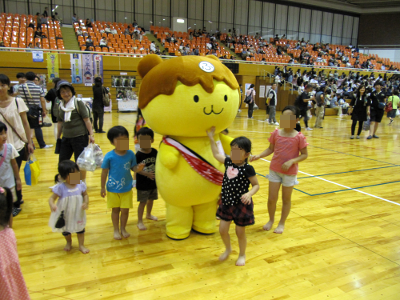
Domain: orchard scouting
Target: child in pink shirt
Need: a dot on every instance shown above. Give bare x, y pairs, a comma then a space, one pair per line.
12, 283
286, 144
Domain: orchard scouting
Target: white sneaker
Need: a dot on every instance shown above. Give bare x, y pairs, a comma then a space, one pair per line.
47, 147
276, 123
308, 129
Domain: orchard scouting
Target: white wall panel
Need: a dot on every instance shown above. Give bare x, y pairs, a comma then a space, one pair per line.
281, 18
293, 20
347, 26
241, 8
337, 25
355, 31
255, 14
305, 17
316, 22
179, 8
268, 15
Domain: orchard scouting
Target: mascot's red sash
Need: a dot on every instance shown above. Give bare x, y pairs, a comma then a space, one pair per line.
199, 164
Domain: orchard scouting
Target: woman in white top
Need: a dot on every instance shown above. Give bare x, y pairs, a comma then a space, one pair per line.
251, 92
13, 114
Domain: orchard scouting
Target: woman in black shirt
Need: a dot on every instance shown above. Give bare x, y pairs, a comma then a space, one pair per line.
98, 105
361, 109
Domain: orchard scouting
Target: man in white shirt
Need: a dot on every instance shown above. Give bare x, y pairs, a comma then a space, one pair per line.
153, 47
114, 31
21, 80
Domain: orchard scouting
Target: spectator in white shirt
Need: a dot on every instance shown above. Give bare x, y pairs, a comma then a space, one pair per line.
153, 47
74, 19
107, 29
103, 42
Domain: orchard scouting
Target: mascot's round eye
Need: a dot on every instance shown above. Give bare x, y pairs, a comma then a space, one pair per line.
196, 98
226, 98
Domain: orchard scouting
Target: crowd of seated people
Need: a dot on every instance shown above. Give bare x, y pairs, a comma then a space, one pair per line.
193, 42
27, 31
112, 37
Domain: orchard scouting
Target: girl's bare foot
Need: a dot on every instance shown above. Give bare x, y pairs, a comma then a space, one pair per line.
241, 261
268, 226
117, 235
68, 247
141, 226
154, 218
279, 229
225, 255
125, 234
84, 250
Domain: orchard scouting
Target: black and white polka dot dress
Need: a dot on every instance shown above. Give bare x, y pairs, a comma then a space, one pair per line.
236, 182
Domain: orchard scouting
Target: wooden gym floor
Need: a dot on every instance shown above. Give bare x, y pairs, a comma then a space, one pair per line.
342, 237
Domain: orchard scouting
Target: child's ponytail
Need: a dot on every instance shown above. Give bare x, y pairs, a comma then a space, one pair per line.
6, 206
57, 178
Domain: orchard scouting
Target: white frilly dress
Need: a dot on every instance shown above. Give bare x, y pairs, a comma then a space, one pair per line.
70, 201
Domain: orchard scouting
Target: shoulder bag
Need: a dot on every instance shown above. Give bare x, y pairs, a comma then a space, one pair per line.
106, 98
26, 152
34, 110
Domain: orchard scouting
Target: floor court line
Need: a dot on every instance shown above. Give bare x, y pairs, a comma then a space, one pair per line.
346, 187
348, 172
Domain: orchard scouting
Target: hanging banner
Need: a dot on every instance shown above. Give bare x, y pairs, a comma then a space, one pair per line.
52, 65
37, 56
87, 69
76, 68
98, 66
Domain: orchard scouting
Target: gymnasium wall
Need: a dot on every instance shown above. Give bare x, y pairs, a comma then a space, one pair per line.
268, 18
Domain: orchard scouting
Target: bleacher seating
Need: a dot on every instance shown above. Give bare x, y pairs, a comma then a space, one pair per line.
118, 44
15, 33
182, 39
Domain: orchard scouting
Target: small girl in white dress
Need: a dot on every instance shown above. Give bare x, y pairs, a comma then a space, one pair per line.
68, 215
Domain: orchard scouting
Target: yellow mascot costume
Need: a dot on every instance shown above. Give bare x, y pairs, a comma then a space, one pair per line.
181, 98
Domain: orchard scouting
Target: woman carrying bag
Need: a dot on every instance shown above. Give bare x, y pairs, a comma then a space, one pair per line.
73, 123
360, 109
98, 105
250, 93
13, 114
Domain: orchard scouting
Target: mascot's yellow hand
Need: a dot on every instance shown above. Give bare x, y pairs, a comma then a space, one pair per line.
169, 156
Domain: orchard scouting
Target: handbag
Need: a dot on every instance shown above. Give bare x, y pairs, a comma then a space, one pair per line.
34, 110
381, 105
106, 98
389, 106
60, 221
248, 98
25, 155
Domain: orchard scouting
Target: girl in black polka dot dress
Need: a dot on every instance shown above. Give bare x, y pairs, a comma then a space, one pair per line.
236, 203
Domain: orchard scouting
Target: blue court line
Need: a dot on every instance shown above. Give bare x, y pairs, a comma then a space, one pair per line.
293, 188
343, 190
353, 155
347, 172
356, 188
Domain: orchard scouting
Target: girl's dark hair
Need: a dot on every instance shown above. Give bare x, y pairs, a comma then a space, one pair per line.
6, 206
251, 86
97, 81
117, 131
243, 143
293, 109
395, 92
145, 131
3, 127
4, 79
65, 168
